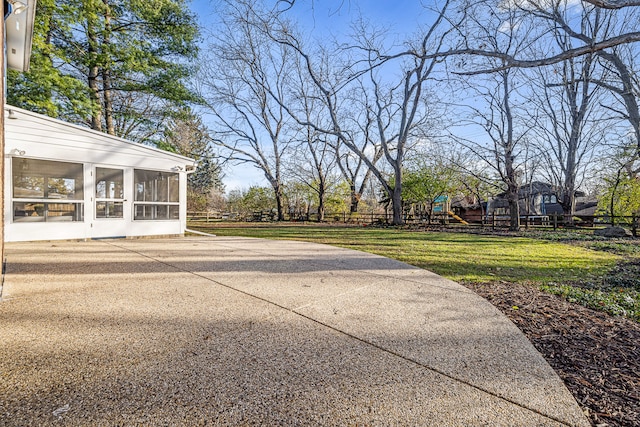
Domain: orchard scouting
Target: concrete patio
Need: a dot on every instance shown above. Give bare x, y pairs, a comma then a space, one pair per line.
238, 331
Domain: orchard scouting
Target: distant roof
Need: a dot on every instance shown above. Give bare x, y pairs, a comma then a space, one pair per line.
538, 187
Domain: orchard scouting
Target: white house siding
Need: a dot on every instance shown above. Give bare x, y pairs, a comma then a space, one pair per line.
35, 137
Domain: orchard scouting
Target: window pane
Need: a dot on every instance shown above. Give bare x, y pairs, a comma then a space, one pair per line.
101, 209
28, 186
116, 209
162, 212
49, 212
150, 190
143, 212
156, 186
145, 185
46, 179
157, 212
140, 181
64, 212
28, 212
109, 209
139, 187
160, 187
109, 183
162, 193
174, 188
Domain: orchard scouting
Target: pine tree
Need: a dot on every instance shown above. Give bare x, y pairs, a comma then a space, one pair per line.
186, 135
118, 66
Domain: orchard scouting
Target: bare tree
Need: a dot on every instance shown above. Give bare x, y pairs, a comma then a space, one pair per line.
244, 85
624, 31
608, 35
314, 157
619, 61
614, 4
357, 122
569, 124
504, 151
398, 107
498, 110
361, 122
605, 4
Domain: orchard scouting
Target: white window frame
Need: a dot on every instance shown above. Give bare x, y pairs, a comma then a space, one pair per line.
161, 207
45, 199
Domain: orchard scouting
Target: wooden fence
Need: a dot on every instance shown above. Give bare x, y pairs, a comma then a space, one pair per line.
491, 221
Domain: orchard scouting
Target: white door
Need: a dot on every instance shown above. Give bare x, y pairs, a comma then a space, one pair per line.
110, 208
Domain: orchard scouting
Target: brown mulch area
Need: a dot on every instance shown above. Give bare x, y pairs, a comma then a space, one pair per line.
596, 355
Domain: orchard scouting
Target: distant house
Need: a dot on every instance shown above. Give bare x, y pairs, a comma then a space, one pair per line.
536, 198
585, 207
64, 181
469, 208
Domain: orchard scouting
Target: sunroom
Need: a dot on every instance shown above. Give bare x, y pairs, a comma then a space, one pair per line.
64, 181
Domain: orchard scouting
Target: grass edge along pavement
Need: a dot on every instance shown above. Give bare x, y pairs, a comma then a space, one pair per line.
587, 274
593, 352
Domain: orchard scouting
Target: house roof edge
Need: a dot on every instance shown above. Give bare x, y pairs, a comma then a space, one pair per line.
99, 134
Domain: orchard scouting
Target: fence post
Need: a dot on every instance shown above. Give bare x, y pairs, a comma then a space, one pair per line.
634, 225
555, 221
493, 221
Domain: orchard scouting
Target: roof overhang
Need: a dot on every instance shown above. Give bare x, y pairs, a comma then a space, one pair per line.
19, 31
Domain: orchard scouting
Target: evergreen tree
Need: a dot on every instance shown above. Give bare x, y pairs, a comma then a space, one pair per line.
186, 135
45, 88
118, 66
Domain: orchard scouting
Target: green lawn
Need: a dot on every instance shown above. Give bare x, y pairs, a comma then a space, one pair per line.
575, 272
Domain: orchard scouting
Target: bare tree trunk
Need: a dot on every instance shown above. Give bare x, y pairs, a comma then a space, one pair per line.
396, 205
355, 199
513, 189
108, 102
396, 199
279, 196
106, 76
94, 93
613, 197
93, 79
321, 195
514, 208
568, 201
280, 205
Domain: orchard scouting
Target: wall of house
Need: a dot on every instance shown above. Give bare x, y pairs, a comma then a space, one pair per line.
67, 210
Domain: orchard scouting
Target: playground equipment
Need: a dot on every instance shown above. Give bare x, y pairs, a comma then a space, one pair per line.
457, 218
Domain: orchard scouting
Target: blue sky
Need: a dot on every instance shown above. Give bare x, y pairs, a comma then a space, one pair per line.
323, 18
401, 15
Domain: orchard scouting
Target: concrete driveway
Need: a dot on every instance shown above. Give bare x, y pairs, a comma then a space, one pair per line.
238, 331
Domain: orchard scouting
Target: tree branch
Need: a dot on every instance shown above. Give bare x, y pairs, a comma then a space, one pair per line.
512, 62
614, 4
